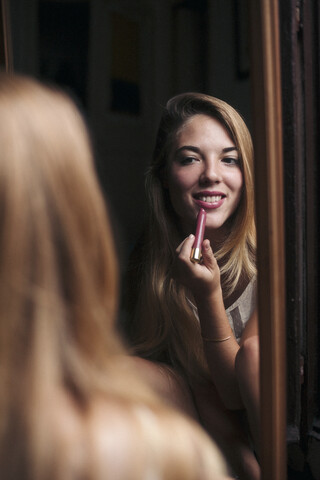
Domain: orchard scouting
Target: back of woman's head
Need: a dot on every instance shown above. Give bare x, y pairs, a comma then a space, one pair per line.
58, 274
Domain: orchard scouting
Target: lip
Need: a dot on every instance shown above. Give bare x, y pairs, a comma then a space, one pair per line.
209, 205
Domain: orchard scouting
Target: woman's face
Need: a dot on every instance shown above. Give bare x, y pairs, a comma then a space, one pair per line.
204, 172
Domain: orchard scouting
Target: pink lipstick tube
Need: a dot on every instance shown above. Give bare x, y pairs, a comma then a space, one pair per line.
196, 249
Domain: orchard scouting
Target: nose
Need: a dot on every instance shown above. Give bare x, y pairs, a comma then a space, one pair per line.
211, 172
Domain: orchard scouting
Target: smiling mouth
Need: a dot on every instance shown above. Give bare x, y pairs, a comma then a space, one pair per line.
210, 198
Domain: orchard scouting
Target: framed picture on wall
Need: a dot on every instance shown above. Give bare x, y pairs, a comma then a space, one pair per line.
125, 64
242, 38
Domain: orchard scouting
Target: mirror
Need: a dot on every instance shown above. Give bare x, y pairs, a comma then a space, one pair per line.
124, 131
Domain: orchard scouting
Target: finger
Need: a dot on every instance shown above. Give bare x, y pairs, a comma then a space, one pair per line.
185, 245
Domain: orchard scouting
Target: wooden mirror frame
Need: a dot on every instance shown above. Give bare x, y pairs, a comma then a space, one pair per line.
6, 59
267, 135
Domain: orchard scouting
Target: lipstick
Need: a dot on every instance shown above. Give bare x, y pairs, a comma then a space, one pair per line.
196, 249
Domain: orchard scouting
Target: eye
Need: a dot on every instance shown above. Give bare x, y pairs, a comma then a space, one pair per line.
231, 160
188, 160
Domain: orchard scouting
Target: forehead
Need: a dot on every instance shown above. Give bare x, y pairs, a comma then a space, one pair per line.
203, 129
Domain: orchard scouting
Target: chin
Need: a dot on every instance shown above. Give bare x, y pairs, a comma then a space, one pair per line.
214, 228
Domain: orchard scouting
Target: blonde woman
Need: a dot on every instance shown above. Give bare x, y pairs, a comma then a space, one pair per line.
196, 322
71, 404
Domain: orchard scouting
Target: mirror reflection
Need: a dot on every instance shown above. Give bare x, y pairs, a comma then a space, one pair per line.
192, 302
100, 53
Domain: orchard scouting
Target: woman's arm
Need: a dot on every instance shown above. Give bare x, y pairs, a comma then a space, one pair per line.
220, 345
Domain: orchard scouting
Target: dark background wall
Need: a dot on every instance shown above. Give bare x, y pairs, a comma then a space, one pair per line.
122, 60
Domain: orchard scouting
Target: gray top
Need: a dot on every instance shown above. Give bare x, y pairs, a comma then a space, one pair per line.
241, 310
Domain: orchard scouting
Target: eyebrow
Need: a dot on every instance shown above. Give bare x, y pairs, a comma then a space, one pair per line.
188, 147
197, 150
229, 149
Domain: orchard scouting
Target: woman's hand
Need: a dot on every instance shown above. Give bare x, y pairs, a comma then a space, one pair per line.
203, 279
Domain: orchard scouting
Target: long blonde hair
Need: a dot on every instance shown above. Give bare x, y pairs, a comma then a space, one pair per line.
61, 361
164, 325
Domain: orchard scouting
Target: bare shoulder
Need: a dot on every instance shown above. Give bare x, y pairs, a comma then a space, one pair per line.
98, 440
123, 439
134, 441
167, 383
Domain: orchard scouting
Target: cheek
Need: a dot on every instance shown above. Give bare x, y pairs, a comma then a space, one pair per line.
236, 181
236, 186
239, 188
178, 188
179, 182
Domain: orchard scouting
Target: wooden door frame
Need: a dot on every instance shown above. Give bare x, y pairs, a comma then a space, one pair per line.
300, 45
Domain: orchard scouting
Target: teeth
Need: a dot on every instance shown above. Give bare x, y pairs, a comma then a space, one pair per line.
211, 199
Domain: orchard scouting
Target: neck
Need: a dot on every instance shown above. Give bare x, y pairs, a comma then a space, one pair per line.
216, 237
